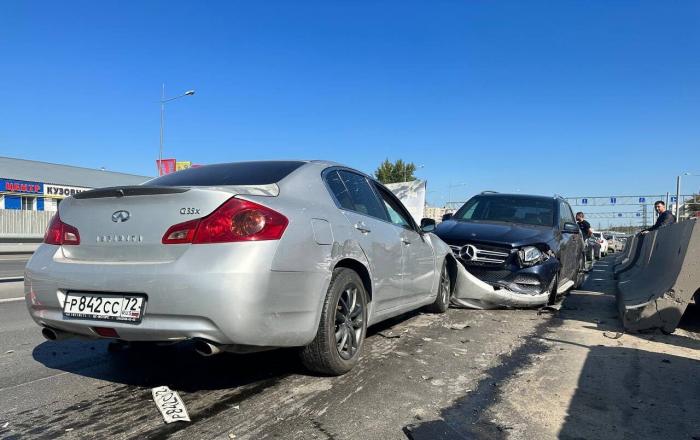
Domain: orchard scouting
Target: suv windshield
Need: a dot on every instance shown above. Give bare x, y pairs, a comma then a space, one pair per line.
536, 211
223, 174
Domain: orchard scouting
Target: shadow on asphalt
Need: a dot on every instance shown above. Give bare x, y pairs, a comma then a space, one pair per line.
631, 393
621, 384
177, 365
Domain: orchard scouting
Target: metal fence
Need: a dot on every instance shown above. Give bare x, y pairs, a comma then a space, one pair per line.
20, 224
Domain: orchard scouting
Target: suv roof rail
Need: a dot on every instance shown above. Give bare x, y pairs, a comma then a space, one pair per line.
488, 192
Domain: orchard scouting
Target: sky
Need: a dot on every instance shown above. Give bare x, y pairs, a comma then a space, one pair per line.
569, 97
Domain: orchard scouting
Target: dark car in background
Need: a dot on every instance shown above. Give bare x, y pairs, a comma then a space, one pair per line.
529, 245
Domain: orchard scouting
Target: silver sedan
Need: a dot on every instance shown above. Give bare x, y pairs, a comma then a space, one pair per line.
238, 257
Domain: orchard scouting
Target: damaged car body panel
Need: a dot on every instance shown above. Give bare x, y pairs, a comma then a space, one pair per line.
513, 250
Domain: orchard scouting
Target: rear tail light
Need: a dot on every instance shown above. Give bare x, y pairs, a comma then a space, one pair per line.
235, 220
61, 233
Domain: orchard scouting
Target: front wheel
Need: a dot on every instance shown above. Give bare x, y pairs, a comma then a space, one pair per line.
580, 275
341, 333
442, 302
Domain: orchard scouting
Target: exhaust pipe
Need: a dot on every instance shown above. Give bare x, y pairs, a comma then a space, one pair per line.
55, 335
205, 348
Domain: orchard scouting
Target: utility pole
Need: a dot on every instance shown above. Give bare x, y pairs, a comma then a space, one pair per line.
678, 197
162, 112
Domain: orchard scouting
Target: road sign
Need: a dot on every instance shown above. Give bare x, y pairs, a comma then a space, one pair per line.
613, 200
642, 199
674, 199
584, 201
619, 214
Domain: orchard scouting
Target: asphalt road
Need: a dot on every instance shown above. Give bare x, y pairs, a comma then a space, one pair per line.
13, 265
466, 374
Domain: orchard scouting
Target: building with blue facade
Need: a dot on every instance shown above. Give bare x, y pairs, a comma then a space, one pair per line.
40, 186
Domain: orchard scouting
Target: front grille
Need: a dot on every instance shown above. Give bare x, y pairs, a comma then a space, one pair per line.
481, 255
489, 276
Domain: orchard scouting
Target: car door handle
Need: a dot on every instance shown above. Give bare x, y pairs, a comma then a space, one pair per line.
405, 241
360, 226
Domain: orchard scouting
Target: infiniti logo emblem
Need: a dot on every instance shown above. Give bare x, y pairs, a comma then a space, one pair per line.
120, 216
468, 252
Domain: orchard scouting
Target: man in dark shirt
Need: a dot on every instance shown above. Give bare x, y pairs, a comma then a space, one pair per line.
583, 225
665, 217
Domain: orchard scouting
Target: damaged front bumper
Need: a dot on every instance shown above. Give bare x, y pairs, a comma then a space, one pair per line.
527, 287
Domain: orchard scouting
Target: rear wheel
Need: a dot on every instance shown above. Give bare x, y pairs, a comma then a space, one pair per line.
442, 302
341, 332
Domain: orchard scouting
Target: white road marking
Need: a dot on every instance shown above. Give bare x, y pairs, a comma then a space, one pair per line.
20, 298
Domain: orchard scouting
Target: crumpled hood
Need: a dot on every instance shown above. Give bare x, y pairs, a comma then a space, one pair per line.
511, 234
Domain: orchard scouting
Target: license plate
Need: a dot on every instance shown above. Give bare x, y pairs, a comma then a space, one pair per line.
126, 308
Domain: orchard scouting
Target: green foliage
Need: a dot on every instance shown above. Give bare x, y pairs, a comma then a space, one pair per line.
398, 171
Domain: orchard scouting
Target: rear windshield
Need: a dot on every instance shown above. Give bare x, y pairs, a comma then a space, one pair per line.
516, 209
238, 173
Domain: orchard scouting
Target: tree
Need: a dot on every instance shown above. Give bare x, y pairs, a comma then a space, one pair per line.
398, 171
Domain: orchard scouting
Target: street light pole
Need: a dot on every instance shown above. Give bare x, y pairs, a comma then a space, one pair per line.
678, 197
162, 118
162, 111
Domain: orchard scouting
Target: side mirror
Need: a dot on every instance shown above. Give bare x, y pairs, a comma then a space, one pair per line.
427, 225
570, 228
446, 216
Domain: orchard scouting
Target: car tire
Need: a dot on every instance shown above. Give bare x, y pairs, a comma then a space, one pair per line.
580, 276
442, 302
341, 331
553, 286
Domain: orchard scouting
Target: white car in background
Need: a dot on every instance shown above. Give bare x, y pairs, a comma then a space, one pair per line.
601, 245
615, 243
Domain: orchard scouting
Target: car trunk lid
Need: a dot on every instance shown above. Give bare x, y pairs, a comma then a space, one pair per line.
126, 224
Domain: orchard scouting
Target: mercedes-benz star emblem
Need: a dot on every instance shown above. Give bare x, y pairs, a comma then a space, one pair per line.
120, 216
468, 252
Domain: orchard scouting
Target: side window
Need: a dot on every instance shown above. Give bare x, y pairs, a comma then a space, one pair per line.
339, 190
565, 214
363, 199
397, 215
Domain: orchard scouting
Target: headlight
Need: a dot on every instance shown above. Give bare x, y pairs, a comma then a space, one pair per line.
529, 255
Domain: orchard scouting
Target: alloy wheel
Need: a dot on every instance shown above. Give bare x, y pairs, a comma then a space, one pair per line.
348, 323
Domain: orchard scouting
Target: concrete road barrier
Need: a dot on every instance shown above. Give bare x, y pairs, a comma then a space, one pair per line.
626, 259
640, 258
655, 291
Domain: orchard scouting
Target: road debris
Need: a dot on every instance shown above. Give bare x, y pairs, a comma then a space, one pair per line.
388, 335
6, 425
616, 335
9, 351
549, 308
461, 326
170, 405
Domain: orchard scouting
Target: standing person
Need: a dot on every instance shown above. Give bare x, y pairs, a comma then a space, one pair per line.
665, 217
583, 225
587, 234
